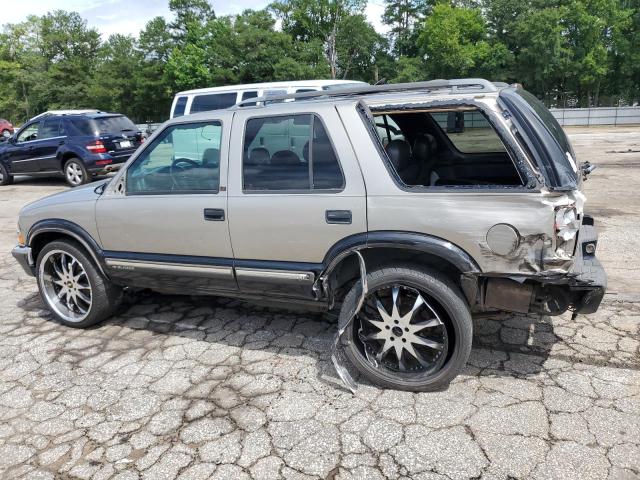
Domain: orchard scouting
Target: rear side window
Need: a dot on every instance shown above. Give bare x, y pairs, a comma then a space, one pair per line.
181, 103
49, 128
83, 126
205, 103
470, 132
291, 152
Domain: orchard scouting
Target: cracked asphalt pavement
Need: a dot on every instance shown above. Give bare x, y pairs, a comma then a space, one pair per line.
195, 387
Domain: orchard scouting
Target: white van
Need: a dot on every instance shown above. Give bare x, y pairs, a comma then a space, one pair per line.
216, 98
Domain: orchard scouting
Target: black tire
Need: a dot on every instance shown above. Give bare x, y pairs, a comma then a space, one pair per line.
446, 299
5, 177
75, 173
6, 133
105, 297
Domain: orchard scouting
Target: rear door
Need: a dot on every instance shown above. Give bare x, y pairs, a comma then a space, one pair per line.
49, 140
291, 196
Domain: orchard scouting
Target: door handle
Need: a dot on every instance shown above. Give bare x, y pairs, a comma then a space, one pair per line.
342, 217
214, 214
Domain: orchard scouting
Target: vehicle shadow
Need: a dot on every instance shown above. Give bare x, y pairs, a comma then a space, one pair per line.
522, 341
53, 181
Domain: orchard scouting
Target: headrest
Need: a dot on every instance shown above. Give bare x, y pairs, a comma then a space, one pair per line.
422, 150
399, 152
211, 157
322, 151
259, 156
285, 157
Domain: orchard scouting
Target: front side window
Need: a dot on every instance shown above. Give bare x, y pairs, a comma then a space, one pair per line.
183, 158
289, 152
218, 101
29, 133
181, 103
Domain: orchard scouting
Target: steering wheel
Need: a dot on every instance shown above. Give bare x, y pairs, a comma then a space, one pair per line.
187, 161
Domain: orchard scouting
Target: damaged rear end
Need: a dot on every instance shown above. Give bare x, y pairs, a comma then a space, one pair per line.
559, 268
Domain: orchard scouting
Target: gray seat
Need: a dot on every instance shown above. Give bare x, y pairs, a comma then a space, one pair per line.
408, 170
424, 153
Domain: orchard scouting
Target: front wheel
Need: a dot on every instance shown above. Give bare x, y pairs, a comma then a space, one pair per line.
75, 172
72, 287
413, 332
5, 177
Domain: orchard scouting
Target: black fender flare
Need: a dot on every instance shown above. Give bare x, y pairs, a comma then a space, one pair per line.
66, 227
419, 242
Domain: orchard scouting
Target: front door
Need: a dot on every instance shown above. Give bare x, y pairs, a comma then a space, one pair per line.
291, 197
22, 152
163, 221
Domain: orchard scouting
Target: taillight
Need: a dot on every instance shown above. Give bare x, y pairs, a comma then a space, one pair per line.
97, 147
567, 225
103, 162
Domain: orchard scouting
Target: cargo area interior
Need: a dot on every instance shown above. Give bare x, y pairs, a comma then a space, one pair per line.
439, 148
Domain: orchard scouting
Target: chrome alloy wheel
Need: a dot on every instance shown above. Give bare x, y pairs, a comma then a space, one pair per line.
65, 285
74, 174
400, 331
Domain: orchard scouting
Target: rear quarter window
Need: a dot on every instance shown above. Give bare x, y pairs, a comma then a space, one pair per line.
218, 101
470, 132
181, 103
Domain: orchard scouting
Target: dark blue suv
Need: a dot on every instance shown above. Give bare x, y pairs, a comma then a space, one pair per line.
75, 145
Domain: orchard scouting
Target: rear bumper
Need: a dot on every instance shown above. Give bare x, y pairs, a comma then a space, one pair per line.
589, 280
24, 257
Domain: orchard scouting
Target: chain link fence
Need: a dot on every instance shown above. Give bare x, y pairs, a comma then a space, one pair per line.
597, 116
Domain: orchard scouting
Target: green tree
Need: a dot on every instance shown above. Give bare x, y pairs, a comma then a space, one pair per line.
70, 50
307, 20
454, 43
402, 16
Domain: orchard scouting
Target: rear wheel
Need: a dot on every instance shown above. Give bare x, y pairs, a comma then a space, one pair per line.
413, 331
5, 177
72, 287
75, 172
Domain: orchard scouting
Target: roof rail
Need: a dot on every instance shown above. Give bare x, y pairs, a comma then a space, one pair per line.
48, 113
466, 85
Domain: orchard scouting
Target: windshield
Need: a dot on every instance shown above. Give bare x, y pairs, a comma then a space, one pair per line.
115, 124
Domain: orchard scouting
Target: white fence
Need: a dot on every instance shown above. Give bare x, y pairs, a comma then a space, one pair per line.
597, 116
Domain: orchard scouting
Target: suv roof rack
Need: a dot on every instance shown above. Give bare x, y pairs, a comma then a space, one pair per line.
48, 113
464, 85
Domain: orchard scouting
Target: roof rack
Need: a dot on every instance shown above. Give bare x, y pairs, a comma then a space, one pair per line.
465, 85
65, 112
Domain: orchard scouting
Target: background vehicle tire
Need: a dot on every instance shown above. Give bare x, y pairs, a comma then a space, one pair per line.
75, 172
416, 313
6, 133
72, 287
5, 177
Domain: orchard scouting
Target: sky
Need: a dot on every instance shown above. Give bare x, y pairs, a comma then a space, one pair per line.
130, 16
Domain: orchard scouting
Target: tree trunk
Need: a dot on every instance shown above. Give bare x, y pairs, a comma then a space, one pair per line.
332, 54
